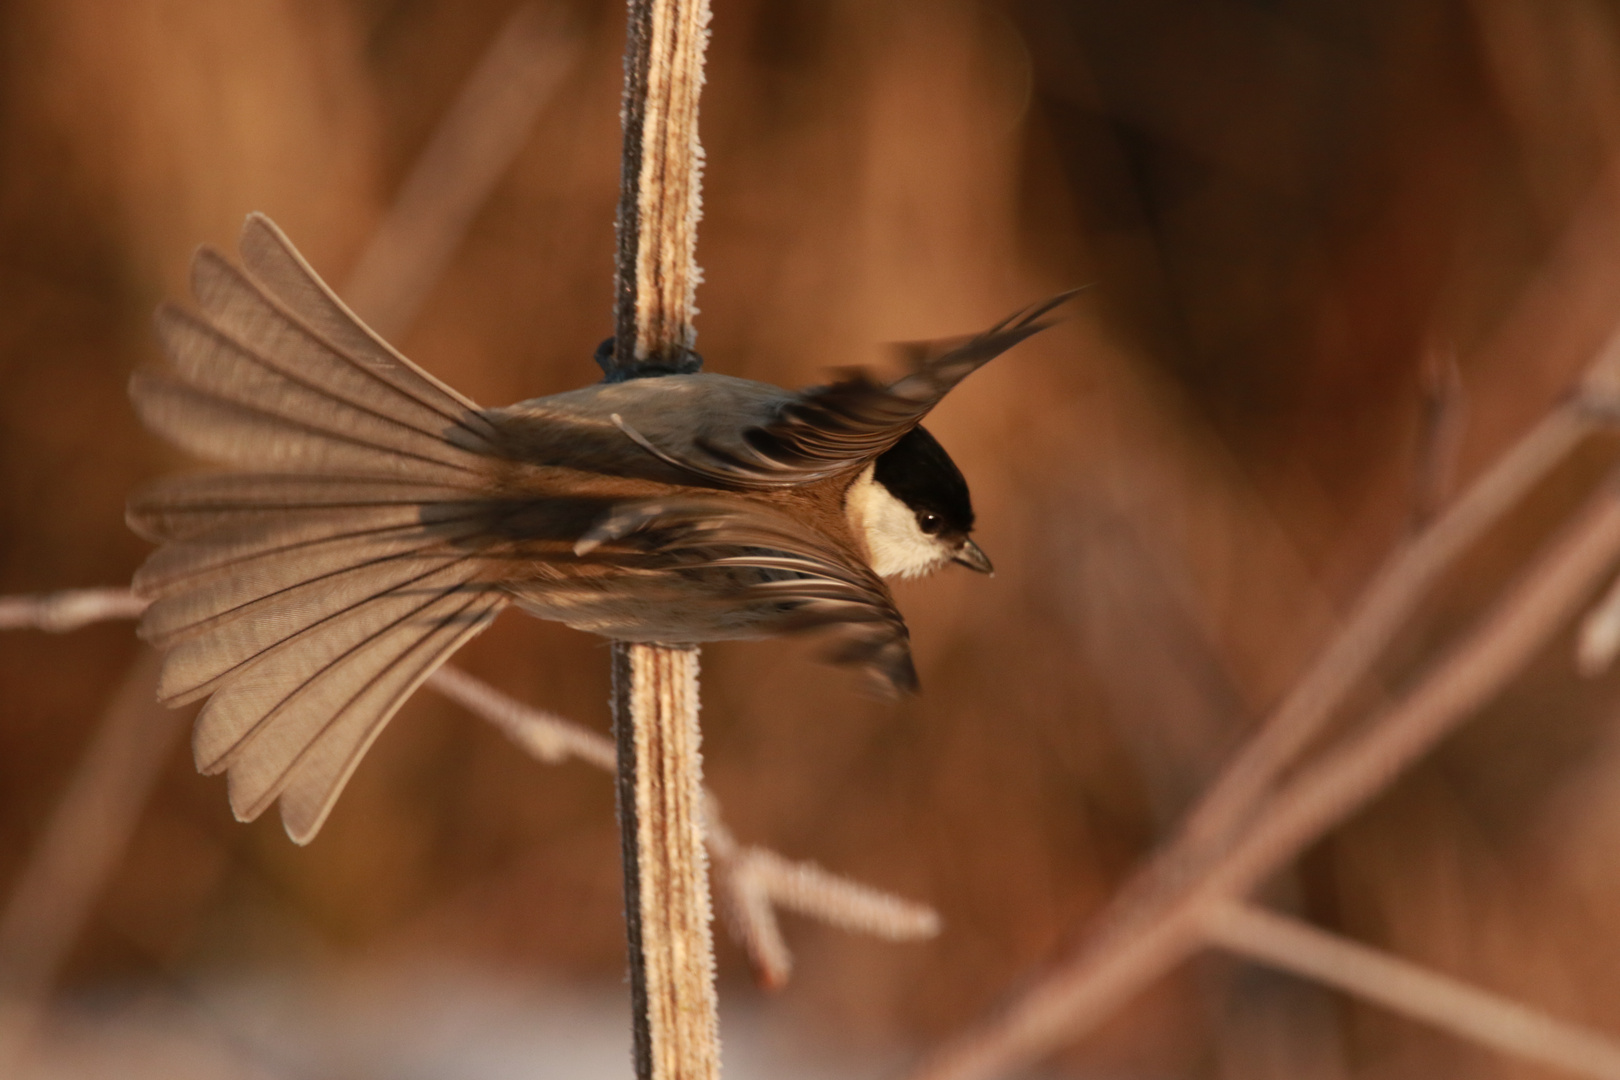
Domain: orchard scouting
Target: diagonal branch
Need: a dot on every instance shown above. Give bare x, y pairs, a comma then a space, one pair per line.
468, 153
1406, 988
758, 879
1155, 922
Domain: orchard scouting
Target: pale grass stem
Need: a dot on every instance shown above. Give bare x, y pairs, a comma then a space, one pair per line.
1410, 990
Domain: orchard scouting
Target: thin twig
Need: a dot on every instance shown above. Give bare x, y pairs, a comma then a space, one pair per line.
1159, 922
60, 612
753, 882
1440, 435
1387, 603
747, 906
544, 735
771, 879
1411, 990
1598, 642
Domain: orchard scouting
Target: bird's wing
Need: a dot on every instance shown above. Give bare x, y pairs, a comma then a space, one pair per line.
309, 599
807, 581
828, 430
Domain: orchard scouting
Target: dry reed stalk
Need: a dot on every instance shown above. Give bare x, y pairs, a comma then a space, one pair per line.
1440, 437
1383, 608
1176, 707
676, 1032
675, 1015
1158, 921
466, 156
1405, 988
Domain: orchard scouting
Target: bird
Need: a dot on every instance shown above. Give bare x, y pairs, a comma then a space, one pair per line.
369, 520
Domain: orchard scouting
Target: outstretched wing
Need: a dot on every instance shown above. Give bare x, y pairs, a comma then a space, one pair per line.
828, 430
309, 599
794, 577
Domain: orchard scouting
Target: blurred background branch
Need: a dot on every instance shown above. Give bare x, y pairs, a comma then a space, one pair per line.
1191, 489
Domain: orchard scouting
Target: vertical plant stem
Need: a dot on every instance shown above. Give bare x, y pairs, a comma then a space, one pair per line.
666, 868
655, 697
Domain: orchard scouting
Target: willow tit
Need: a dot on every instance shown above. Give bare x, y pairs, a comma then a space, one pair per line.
378, 519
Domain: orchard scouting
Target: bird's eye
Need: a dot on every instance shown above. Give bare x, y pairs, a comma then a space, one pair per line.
929, 522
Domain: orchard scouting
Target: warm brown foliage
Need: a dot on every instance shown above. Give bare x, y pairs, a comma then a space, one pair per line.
1287, 208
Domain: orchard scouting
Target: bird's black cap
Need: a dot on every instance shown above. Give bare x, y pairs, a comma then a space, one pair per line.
917, 471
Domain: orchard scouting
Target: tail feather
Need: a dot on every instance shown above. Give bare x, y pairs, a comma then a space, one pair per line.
305, 623
219, 505
237, 433
261, 726
230, 591
213, 363
234, 548
278, 267
278, 338
316, 780
310, 596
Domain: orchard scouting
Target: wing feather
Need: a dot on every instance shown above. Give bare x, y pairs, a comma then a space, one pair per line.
809, 581
832, 429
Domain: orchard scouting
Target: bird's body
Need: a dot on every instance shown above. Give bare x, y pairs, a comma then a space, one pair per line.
577, 431
378, 519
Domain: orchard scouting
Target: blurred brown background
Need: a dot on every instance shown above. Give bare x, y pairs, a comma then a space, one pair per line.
1289, 209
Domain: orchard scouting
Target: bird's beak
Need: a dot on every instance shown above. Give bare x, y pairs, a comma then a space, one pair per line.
970, 556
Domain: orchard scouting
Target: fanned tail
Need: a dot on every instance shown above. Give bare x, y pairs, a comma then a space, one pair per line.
309, 598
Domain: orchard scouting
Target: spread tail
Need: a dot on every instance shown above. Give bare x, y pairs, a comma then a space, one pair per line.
308, 599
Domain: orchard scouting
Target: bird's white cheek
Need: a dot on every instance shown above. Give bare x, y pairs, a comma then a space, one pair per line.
895, 546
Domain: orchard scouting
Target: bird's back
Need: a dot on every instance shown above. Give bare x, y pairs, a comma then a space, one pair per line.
677, 413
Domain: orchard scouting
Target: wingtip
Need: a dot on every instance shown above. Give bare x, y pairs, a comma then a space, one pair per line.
897, 679
1030, 317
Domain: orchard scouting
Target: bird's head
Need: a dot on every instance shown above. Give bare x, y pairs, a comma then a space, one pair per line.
912, 509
